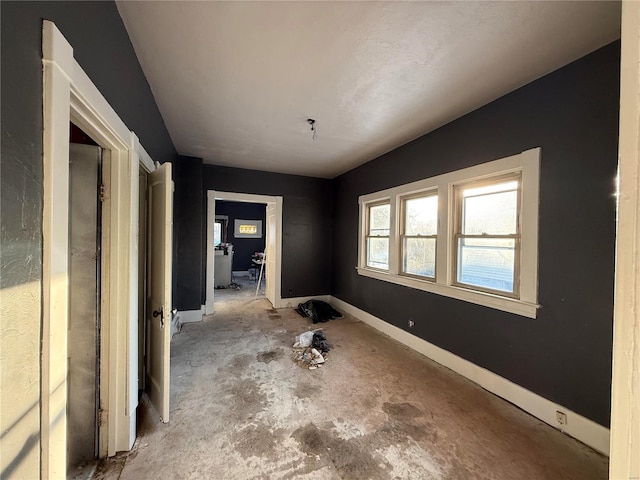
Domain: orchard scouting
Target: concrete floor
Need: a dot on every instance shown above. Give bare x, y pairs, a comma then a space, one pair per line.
248, 288
242, 409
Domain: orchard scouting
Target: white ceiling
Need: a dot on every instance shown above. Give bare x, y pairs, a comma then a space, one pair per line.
236, 81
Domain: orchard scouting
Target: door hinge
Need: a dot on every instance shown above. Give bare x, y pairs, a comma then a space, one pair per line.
102, 193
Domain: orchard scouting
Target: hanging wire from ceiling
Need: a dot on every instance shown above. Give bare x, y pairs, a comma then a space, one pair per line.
314, 129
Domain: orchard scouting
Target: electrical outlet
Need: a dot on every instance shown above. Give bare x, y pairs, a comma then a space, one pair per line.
411, 323
561, 417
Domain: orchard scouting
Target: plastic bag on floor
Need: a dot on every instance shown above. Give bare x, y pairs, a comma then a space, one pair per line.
304, 340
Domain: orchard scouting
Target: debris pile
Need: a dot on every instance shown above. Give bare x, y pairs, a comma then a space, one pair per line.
309, 358
311, 349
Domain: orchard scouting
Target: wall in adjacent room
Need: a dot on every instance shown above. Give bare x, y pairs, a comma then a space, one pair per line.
564, 354
243, 248
306, 218
102, 47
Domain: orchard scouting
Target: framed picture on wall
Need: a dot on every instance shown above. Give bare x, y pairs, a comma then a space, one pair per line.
247, 228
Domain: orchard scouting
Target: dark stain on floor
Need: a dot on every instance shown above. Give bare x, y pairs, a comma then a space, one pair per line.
271, 355
273, 314
256, 440
247, 399
401, 411
350, 458
239, 364
406, 420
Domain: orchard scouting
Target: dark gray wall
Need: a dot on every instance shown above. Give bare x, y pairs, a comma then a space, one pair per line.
243, 248
565, 354
306, 218
101, 46
188, 265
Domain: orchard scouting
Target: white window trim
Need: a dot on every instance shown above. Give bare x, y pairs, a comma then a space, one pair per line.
528, 164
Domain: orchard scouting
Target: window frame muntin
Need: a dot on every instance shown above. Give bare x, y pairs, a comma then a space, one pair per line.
457, 234
401, 199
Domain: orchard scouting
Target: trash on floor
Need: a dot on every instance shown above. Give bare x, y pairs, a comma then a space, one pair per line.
318, 311
309, 358
320, 341
310, 349
231, 286
304, 340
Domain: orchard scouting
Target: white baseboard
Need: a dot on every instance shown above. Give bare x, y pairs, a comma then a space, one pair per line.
190, 316
293, 302
579, 427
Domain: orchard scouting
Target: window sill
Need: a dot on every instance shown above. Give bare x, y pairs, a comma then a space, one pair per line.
518, 307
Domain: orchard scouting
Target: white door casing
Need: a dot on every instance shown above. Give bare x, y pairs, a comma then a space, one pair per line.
70, 95
625, 399
270, 249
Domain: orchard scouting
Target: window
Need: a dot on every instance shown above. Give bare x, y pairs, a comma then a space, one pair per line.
471, 234
419, 232
217, 232
488, 236
220, 230
378, 224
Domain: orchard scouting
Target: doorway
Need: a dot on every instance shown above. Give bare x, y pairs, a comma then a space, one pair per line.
70, 96
84, 322
270, 230
239, 239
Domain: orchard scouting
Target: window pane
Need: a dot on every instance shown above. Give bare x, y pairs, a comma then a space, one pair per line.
419, 256
379, 220
487, 263
217, 233
492, 213
421, 215
378, 253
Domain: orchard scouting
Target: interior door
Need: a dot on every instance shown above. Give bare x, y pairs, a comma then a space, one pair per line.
270, 253
159, 231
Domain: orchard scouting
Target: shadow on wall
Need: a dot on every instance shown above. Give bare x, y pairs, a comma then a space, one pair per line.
31, 445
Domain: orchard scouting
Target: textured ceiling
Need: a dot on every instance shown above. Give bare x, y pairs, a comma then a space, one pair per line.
236, 81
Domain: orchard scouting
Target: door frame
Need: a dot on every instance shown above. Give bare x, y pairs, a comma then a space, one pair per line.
69, 95
212, 196
624, 461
